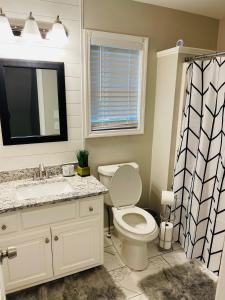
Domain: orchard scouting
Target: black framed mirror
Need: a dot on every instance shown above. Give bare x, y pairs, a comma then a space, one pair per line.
32, 102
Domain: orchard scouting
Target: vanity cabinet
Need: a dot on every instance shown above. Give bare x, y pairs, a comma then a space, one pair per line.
75, 246
52, 241
33, 262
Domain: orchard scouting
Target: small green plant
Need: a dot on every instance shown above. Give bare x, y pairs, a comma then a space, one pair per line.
82, 157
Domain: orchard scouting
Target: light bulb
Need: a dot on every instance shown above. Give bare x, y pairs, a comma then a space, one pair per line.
31, 31
6, 33
58, 33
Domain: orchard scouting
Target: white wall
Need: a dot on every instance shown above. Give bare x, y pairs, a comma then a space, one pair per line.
22, 156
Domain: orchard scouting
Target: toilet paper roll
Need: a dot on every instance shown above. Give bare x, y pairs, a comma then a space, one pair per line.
167, 198
166, 235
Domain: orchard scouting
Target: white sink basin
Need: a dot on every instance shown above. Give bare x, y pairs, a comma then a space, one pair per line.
43, 190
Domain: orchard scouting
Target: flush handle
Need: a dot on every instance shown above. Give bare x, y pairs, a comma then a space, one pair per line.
4, 227
91, 208
56, 238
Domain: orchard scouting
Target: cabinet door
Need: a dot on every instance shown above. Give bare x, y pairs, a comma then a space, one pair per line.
76, 246
33, 262
2, 284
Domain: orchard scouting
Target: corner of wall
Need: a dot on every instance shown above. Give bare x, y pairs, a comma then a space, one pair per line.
221, 35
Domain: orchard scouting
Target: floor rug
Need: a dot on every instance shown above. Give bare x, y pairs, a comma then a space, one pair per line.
92, 284
182, 282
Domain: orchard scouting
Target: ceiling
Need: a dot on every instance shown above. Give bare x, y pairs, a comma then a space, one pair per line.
210, 8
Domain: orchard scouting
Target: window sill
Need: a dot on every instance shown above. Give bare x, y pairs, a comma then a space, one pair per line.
108, 133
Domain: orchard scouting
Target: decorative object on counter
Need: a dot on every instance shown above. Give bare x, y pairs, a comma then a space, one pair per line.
68, 170
83, 168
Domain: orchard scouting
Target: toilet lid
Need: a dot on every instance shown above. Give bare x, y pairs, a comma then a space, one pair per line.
126, 186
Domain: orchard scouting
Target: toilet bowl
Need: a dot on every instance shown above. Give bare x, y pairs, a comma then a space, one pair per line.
135, 226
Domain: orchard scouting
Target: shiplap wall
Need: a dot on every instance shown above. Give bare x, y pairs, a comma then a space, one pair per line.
23, 156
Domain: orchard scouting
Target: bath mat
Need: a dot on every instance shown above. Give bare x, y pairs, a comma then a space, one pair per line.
183, 282
92, 284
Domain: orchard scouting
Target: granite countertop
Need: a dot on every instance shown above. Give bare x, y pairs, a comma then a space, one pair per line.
81, 187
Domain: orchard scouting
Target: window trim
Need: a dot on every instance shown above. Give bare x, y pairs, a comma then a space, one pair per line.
120, 38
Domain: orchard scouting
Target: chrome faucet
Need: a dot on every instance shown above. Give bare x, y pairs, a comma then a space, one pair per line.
43, 173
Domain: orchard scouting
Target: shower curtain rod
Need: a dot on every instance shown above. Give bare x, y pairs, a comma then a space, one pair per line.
204, 56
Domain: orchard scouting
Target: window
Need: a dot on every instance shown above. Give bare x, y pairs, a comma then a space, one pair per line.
115, 80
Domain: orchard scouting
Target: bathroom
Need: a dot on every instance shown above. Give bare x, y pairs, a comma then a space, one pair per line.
58, 237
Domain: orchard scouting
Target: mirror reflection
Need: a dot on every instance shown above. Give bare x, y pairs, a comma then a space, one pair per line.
32, 102
32, 98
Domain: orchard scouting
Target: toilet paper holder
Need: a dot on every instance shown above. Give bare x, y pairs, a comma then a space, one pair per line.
167, 215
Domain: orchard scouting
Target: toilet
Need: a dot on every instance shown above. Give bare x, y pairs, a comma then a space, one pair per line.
135, 226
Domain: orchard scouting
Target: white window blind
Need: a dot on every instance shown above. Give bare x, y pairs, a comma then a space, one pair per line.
115, 87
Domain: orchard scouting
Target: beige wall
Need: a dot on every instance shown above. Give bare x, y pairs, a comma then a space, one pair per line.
221, 36
163, 27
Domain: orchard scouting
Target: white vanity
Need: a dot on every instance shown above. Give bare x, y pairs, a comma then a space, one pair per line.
56, 233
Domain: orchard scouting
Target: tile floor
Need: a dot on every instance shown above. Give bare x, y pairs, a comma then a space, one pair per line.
128, 279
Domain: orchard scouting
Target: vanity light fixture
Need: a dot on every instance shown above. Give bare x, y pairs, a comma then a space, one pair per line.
6, 33
58, 33
31, 31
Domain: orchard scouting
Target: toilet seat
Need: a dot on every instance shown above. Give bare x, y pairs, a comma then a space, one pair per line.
125, 187
147, 227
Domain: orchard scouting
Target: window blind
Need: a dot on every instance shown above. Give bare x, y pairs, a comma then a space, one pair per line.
115, 87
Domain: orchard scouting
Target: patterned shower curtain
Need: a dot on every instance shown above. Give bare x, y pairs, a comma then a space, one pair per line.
199, 179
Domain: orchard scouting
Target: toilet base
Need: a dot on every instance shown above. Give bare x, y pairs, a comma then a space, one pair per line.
135, 254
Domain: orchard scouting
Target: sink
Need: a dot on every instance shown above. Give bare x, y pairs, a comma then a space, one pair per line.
43, 190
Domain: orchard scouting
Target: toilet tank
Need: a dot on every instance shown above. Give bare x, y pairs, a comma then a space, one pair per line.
106, 173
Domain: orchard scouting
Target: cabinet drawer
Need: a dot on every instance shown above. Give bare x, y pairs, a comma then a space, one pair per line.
89, 207
48, 215
9, 223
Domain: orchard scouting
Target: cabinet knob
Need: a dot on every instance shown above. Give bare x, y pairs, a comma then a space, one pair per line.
10, 253
91, 208
47, 240
4, 227
56, 238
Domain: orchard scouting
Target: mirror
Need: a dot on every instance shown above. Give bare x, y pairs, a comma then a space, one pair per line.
32, 102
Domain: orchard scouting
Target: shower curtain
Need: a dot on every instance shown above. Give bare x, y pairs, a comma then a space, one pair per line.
199, 178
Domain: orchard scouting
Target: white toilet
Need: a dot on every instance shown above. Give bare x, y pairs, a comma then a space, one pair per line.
135, 226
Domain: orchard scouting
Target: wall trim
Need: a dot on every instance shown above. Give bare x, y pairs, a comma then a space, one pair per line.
183, 50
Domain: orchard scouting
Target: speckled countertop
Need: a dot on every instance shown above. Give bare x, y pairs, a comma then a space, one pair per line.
81, 187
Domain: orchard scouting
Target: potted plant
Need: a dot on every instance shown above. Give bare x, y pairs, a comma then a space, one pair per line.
83, 168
